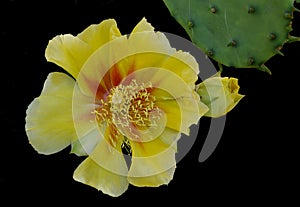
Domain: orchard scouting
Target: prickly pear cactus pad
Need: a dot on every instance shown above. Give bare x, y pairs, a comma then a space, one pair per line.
235, 33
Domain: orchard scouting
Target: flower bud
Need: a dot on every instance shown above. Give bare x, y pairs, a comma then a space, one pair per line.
220, 94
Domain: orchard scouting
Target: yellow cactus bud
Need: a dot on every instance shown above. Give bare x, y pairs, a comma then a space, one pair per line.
220, 94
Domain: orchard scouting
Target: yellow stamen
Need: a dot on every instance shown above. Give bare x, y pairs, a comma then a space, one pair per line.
128, 105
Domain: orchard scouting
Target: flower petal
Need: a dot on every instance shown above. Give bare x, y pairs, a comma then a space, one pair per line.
162, 178
68, 52
85, 123
143, 26
49, 124
97, 35
180, 63
182, 112
91, 173
93, 75
122, 56
149, 42
184, 65
86, 144
152, 49
105, 169
78, 149
142, 50
153, 163
220, 94
170, 137
71, 52
180, 103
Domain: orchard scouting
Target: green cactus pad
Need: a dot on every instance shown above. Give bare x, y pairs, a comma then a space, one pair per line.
235, 33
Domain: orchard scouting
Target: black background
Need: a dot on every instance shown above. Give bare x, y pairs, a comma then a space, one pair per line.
254, 162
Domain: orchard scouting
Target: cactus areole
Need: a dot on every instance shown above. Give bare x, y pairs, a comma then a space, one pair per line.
240, 34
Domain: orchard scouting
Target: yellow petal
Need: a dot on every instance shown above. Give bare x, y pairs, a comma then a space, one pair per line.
180, 63
142, 49
49, 124
153, 163
220, 94
170, 137
108, 153
152, 49
91, 173
121, 57
182, 106
92, 74
143, 26
149, 42
68, 52
71, 52
85, 123
162, 178
97, 35
78, 149
184, 65
86, 144
105, 169
182, 113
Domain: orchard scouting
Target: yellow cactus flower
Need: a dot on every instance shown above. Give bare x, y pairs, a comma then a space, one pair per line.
220, 94
125, 106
